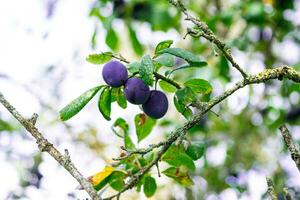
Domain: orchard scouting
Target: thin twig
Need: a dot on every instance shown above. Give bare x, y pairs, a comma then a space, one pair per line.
271, 190
141, 151
288, 139
159, 76
209, 35
45, 145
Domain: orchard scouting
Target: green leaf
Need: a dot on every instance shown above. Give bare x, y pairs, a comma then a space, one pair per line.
122, 125
180, 175
143, 125
184, 110
94, 39
195, 150
163, 45
134, 67
112, 38
99, 58
77, 104
121, 100
146, 70
140, 183
5, 126
118, 95
104, 103
149, 186
116, 180
166, 59
185, 66
186, 55
157, 65
185, 95
128, 142
176, 156
137, 46
167, 87
199, 86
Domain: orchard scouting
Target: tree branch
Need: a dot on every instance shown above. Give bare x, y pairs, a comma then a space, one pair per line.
209, 35
271, 190
45, 145
266, 75
290, 144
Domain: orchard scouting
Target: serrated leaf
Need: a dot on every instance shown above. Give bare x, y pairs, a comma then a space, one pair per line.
77, 104
163, 45
99, 180
167, 87
195, 150
116, 180
176, 156
166, 59
137, 46
134, 67
184, 110
146, 70
149, 186
199, 86
185, 95
179, 175
143, 126
186, 55
100, 58
104, 103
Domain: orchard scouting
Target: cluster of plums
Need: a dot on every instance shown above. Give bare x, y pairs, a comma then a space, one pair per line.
154, 102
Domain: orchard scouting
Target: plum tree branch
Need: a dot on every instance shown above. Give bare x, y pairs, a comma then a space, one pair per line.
262, 77
290, 144
271, 190
45, 146
208, 34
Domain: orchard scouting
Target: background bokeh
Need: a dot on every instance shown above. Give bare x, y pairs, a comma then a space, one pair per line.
43, 46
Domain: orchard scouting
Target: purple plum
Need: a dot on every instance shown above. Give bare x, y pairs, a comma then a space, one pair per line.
157, 105
136, 91
114, 74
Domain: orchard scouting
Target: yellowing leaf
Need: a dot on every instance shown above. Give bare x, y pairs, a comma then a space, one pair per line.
100, 176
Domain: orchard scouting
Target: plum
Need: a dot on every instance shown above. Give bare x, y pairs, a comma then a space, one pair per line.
114, 74
136, 91
157, 104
